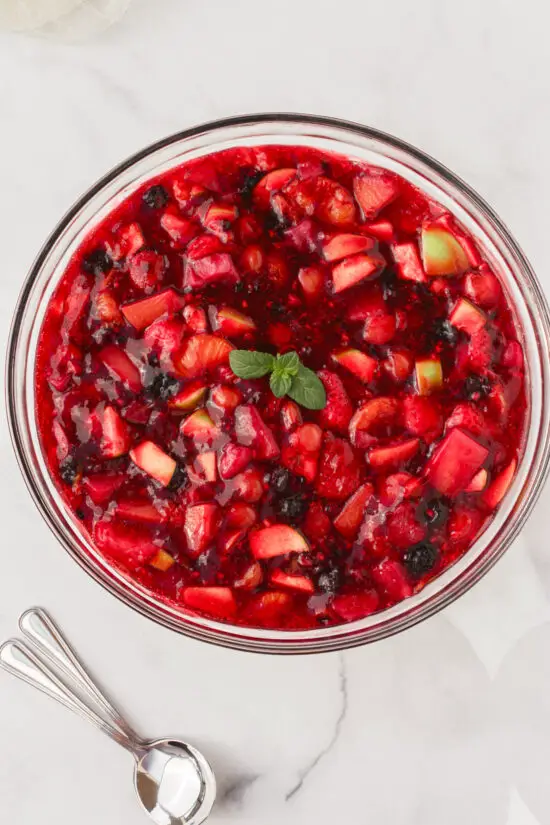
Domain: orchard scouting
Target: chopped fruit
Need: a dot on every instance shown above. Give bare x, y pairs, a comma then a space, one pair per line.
162, 561
154, 461
385, 458
233, 459
344, 245
115, 438
232, 323
442, 254
339, 472
201, 353
359, 363
214, 601
200, 427
429, 376
190, 397
455, 462
277, 540
408, 262
171, 462
200, 526
374, 191
499, 486
353, 270
251, 431
121, 367
467, 317
337, 413
349, 519
142, 313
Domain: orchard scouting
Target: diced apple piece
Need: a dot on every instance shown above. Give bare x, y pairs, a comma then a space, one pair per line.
201, 353
146, 269
478, 483
233, 459
195, 318
206, 464
116, 438
499, 486
240, 516
129, 546
232, 323
200, 427
215, 601
467, 317
189, 398
200, 526
277, 540
121, 367
272, 182
300, 583
393, 456
399, 364
180, 230
154, 461
408, 262
291, 417
212, 269
390, 576
225, 398
137, 510
142, 313
442, 254
101, 487
304, 235
131, 240
220, 213
251, 431
373, 415
312, 281
337, 413
363, 366
162, 561
346, 244
251, 578
483, 288
353, 270
353, 606
381, 230
455, 462
333, 203
248, 485
349, 519
301, 454
374, 191
429, 376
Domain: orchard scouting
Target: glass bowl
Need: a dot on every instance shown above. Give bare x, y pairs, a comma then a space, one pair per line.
348, 139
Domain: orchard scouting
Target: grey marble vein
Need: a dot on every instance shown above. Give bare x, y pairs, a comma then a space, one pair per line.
233, 793
310, 767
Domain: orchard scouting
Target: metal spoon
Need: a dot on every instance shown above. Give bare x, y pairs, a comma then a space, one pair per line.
174, 782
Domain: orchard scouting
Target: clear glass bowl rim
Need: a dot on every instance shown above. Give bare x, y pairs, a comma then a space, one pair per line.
456, 580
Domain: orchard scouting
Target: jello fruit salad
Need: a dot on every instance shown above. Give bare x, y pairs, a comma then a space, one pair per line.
281, 388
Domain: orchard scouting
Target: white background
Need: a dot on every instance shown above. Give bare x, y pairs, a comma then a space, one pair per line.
449, 723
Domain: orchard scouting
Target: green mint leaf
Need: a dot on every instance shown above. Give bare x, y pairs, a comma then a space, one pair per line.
280, 383
289, 362
308, 390
249, 364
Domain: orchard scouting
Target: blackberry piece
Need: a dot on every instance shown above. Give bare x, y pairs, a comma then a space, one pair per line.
444, 332
280, 479
179, 479
390, 285
292, 507
277, 309
156, 197
97, 262
69, 470
330, 581
420, 559
163, 386
435, 512
239, 287
476, 387
80, 514
247, 187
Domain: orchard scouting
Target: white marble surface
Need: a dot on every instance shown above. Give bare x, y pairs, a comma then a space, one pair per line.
448, 723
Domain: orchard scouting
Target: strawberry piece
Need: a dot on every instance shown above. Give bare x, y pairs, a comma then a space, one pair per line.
203, 247
129, 241
399, 364
363, 366
220, 213
201, 353
248, 486
312, 281
212, 269
142, 313
317, 525
374, 191
115, 439
200, 526
101, 487
154, 461
278, 270
478, 483
353, 606
376, 416
291, 417
391, 578
137, 510
408, 262
512, 356
398, 487
215, 601
352, 271
381, 230
483, 288
421, 416
200, 427
277, 540
128, 546
251, 431
304, 236
455, 462
467, 317
190, 397
280, 335
106, 309
499, 486
121, 367
270, 183
240, 516
338, 411
180, 230
480, 351
467, 417
164, 336
339, 473
225, 398
403, 526
301, 454
300, 583
384, 458
75, 303
380, 327
252, 259
463, 525
233, 459
349, 519
146, 269
232, 323
344, 245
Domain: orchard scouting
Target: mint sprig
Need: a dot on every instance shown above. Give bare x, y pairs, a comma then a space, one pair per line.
287, 376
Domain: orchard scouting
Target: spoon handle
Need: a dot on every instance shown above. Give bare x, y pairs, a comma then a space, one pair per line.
44, 636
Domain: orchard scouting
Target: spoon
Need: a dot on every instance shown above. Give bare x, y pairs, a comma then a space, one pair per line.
174, 782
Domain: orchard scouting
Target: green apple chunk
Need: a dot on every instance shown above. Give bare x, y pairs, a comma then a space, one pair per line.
442, 254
